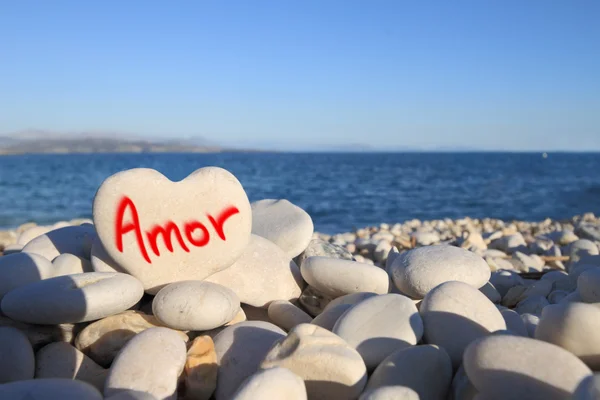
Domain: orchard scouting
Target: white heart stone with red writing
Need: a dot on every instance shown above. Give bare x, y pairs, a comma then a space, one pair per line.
162, 231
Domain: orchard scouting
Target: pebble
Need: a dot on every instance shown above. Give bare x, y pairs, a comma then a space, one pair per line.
588, 389
514, 323
283, 223
380, 325
556, 296
192, 212
272, 383
101, 261
103, 340
574, 327
335, 277
582, 248
17, 356
41, 335
319, 247
240, 350
314, 301
514, 367
72, 263
588, 285
76, 240
201, 369
531, 323
455, 314
416, 272
330, 367
286, 315
532, 305
390, 393
426, 369
49, 389
22, 268
490, 292
262, 274
462, 388
504, 280
350, 299
329, 317
509, 244
150, 362
61, 360
131, 395
195, 305
72, 298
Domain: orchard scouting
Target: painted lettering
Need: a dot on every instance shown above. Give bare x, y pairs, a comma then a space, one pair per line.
121, 229
194, 231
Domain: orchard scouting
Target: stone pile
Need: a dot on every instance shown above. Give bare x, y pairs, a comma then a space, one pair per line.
185, 290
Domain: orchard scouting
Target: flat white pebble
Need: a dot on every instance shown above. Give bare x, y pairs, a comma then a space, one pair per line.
514, 323
240, 350
272, 383
336, 277
16, 353
75, 240
426, 369
49, 389
195, 305
72, 264
329, 317
22, 268
72, 298
283, 223
455, 314
418, 271
380, 325
150, 362
286, 315
531, 323
513, 367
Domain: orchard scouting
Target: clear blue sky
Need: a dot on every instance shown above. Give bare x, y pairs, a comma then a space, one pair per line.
511, 74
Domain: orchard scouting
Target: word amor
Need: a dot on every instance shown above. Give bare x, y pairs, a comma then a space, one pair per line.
195, 232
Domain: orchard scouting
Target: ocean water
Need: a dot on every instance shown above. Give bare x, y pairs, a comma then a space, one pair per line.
340, 191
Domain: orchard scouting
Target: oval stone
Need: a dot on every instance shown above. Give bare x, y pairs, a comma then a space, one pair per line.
163, 232
336, 277
17, 355
71, 263
380, 325
283, 223
195, 305
417, 271
350, 299
75, 240
286, 315
588, 285
150, 362
514, 323
455, 314
272, 383
330, 368
588, 389
49, 389
390, 393
240, 350
22, 268
514, 367
262, 274
574, 327
329, 317
72, 298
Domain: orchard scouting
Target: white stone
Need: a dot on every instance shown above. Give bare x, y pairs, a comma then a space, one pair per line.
336, 277
150, 362
556, 296
131, 395
588, 389
532, 305
49, 389
240, 350
101, 261
490, 292
380, 325
331, 369
262, 274
283, 223
462, 388
22, 268
417, 271
390, 393
573, 297
455, 314
351, 299
329, 317
514, 323
531, 323
514, 367
207, 213
75, 240
72, 298
286, 315
426, 369
588, 285
18, 362
272, 383
61, 360
574, 327
195, 305
70, 262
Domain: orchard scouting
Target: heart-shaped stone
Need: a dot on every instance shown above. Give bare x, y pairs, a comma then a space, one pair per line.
162, 231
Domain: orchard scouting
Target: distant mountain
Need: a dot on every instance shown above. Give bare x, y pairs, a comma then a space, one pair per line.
43, 142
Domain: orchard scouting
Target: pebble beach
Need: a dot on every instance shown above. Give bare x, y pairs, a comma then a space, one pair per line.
187, 290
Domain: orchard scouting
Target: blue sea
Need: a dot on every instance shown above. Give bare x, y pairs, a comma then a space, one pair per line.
340, 191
